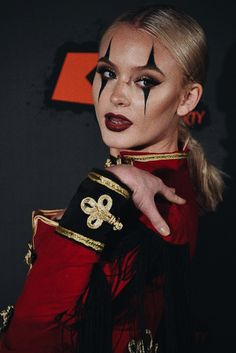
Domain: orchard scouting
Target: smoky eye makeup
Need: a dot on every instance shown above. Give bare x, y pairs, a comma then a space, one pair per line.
105, 71
146, 81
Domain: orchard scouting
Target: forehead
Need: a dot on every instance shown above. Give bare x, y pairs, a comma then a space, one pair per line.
130, 45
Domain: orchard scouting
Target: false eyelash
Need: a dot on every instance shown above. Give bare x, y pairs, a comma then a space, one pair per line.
150, 80
101, 69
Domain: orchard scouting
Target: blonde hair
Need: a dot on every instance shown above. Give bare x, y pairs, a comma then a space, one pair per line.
186, 41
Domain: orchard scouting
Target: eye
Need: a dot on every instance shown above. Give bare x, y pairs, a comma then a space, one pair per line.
147, 82
106, 72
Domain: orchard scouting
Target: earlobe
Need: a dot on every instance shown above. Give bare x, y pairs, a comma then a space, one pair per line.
190, 99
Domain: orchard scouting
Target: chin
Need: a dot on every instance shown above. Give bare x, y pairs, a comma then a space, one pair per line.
118, 146
117, 142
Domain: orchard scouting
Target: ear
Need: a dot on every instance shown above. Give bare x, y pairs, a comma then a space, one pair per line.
191, 96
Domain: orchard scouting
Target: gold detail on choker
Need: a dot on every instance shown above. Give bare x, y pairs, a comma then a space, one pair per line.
110, 184
151, 157
79, 238
154, 157
109, 162
99, 212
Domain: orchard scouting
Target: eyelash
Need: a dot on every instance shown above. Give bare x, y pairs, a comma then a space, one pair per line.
151, 82
102, 69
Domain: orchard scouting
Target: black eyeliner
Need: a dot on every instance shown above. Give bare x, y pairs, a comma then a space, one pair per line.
150, 80
102, 68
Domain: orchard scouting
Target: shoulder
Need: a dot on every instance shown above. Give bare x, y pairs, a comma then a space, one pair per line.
43, 222
49, 217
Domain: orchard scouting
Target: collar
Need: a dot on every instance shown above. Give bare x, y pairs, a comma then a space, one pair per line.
149, 161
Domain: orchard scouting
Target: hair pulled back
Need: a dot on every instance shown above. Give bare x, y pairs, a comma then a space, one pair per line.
186, 41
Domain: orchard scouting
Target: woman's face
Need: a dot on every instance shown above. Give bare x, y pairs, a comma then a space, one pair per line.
137, 90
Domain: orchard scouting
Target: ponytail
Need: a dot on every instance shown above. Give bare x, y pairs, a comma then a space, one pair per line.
186, 41
207, 179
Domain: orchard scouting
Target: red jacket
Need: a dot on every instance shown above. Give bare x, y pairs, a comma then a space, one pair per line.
61, 273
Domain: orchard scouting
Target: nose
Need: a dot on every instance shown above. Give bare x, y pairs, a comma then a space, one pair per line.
119, 96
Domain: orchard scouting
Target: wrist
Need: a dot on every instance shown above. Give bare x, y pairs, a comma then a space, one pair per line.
127, 175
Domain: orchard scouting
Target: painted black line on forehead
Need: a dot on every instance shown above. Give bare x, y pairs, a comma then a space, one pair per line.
107, 55
151, 59
104, 81
150, 63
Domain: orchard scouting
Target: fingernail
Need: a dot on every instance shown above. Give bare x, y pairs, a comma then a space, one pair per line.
183, 200
164, 231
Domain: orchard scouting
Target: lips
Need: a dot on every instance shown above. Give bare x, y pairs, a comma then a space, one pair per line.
117, 122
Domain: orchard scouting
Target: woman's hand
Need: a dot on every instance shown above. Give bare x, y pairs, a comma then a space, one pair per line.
145, 186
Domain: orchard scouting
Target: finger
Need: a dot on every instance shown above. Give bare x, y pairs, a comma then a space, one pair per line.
150, 210
171, 196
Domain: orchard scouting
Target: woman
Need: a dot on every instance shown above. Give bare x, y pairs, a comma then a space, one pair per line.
110, 276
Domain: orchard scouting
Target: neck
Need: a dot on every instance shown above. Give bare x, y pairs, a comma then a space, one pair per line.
156, 148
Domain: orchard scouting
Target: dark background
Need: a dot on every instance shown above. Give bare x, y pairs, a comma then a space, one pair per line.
46, 150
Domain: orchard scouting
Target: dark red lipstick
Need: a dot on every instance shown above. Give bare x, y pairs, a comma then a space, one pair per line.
117, 122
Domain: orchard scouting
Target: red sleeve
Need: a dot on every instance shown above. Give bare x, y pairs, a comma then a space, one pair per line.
58, 277
65, 256
182, 220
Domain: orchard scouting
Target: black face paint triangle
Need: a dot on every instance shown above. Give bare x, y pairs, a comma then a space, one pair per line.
151, 59
107, 55
104, 81
146, 91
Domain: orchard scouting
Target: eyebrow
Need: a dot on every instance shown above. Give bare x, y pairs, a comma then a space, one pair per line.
151, 67
144, 67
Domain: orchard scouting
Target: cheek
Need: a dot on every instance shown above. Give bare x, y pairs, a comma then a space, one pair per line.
100, 102
137, 102
95, 89
163, 101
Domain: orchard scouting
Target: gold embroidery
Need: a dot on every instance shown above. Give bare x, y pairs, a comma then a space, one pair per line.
99, 212
109, 184
45, 217
6, 316
42, 216
30, 256
94, 244
108, 163
138, 346
154, 157
130, 159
